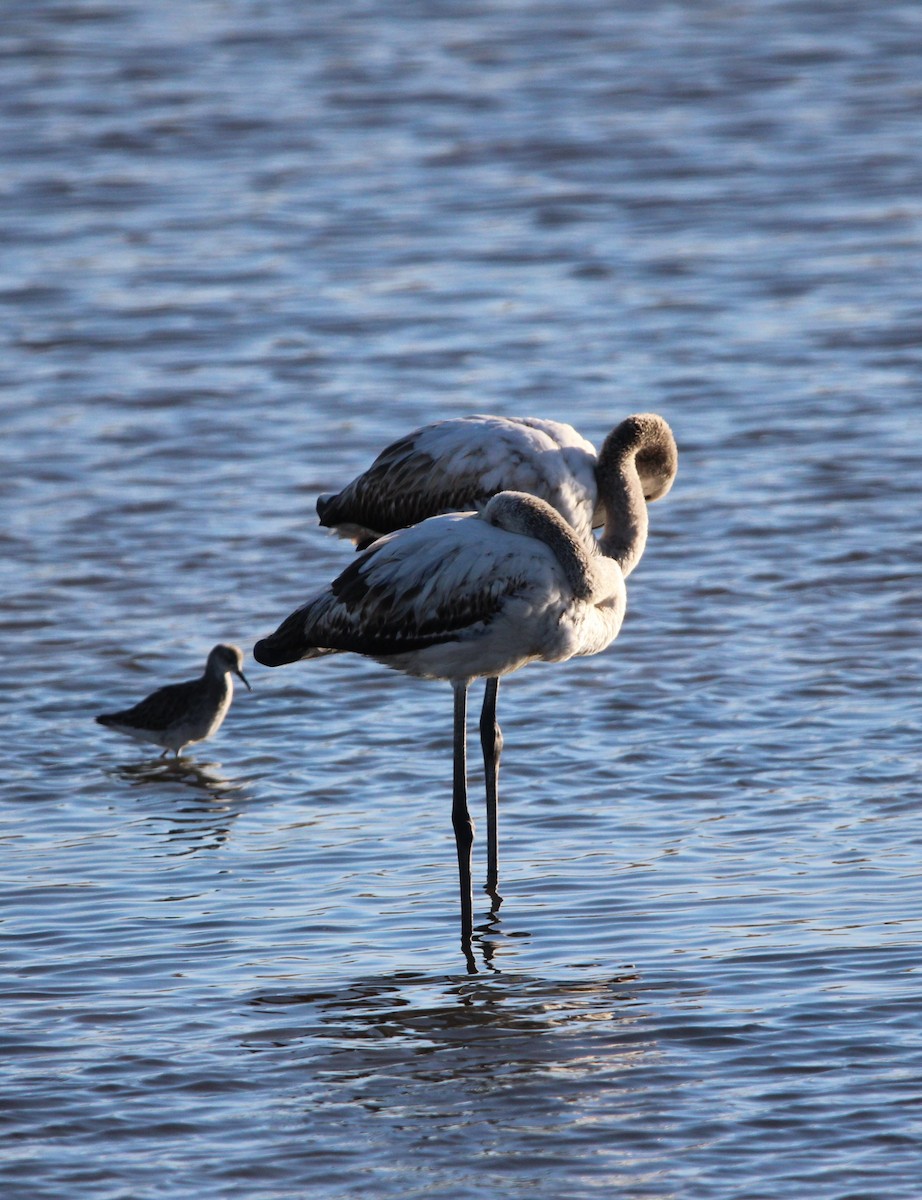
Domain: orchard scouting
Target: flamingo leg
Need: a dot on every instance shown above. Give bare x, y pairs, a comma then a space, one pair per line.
460, 816
491, 739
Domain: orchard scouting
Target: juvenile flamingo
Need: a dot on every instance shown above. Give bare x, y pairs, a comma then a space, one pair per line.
459, 464
465, 595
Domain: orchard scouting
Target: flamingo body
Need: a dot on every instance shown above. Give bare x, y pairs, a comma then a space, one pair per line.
464, 595
459, 464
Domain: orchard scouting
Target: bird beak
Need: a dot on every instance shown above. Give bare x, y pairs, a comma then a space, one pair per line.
245, 680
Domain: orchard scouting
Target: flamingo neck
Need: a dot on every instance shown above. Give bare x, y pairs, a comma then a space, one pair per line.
621, 494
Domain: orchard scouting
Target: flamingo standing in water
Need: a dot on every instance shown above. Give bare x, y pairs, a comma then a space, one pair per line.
464, 595
460, 463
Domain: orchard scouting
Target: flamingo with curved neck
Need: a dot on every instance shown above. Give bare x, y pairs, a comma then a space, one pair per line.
472, 594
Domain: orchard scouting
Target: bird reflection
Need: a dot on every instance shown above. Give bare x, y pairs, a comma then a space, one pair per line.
187, 771
476, 1068
438, 1012
201, 820
487, 939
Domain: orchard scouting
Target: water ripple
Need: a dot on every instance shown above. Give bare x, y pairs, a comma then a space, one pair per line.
244, 249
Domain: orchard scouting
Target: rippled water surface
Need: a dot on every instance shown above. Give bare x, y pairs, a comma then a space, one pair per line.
244, 245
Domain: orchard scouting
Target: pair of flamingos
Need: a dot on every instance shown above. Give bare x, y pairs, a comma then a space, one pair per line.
443, 592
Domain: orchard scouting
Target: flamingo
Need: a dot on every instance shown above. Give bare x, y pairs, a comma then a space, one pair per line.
479, 594
460, 463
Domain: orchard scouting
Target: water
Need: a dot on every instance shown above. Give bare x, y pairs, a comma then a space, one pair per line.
244, 246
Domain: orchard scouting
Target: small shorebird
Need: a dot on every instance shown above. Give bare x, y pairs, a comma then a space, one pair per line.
459, 464
179, 714
474, 594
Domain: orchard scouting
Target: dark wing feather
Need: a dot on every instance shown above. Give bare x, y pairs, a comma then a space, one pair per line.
159, 710
402, 486
421, 587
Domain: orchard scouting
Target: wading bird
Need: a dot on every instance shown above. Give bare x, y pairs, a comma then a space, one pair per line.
459, 464
180, 714
473, 594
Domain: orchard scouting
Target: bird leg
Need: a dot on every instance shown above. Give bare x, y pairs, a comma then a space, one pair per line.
460, 816
491, 739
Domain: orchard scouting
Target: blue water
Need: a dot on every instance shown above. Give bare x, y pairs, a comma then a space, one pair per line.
244, 246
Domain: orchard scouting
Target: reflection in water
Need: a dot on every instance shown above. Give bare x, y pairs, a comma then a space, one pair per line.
487, 937
427, 1014
181, 770
460, 1073
205, 822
